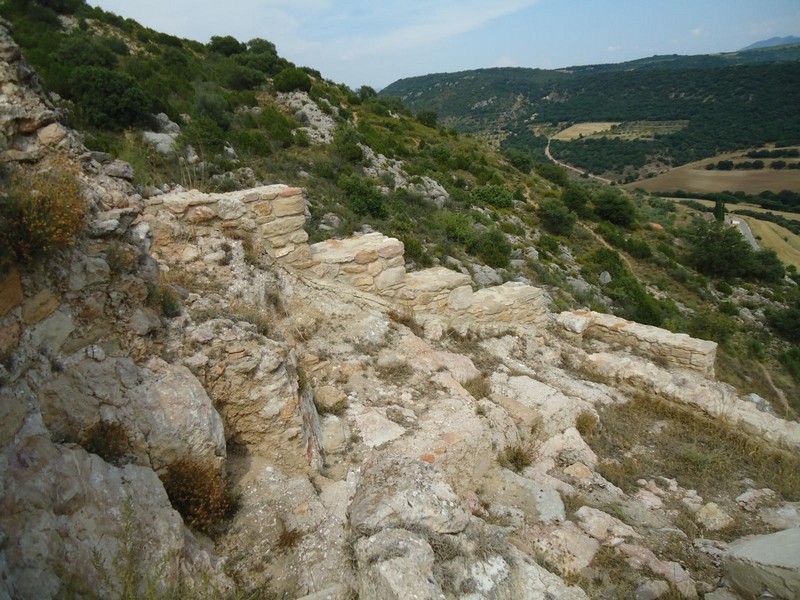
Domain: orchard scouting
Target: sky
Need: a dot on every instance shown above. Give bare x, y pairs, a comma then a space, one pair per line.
376, 42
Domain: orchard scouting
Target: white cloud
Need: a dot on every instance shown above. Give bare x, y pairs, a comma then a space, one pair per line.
613, 49
698, 31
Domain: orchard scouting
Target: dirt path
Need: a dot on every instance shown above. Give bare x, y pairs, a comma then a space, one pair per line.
569, 167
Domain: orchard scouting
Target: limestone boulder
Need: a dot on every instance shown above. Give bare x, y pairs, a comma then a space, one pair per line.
766, 565
62, 507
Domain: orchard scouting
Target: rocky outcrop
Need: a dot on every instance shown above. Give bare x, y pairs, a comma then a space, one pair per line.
676, 349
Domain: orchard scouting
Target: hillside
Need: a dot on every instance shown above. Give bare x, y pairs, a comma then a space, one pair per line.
285, 339
721, 102
773, 41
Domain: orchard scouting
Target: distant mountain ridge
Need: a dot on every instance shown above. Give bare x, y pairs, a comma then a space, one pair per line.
713, 103
771, 42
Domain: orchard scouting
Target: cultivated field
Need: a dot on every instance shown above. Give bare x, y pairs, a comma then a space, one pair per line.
582, 130
695, 178
775, 237
645, 130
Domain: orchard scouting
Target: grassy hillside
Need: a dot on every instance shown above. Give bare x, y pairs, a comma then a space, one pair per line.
727, 102
450, 198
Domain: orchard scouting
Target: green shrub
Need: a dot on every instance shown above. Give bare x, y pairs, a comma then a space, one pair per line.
41, 213
457, 226
614, 207
556, 217
363, 197
493, 195
492, 248
791, 360
786, 321
200, 493
203, 134
346, 142
710, 326
291, 79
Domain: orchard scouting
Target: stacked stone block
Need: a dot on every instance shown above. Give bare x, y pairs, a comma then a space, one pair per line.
676, 349
275, 212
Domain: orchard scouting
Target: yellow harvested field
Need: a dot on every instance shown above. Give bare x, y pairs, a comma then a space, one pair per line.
695, 178
702, 181
582, 130
775, 237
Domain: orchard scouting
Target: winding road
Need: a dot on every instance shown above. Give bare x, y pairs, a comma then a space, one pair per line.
568, 166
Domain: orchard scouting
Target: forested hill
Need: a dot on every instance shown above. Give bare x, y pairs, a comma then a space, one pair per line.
724, 101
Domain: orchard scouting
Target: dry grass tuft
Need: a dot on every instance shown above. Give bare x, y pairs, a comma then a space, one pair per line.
200, 493
108, 440
479, 387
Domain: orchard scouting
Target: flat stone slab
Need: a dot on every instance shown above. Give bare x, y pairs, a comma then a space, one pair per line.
367, 248
766, 565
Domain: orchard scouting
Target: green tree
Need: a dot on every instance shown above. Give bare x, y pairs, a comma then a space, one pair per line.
719, 210
521, 161
556, 217
365, 92
576, 198
718, 249
552, 172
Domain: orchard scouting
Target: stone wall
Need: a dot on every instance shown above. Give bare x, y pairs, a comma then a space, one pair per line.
437, 298
275, 212
676, 349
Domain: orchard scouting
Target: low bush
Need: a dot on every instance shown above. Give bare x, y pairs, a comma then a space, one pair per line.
41, 213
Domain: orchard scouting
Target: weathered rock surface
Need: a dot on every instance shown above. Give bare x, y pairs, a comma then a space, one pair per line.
766, 565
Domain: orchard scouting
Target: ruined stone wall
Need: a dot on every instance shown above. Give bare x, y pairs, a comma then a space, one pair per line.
676, 349
437, 298
276, 213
